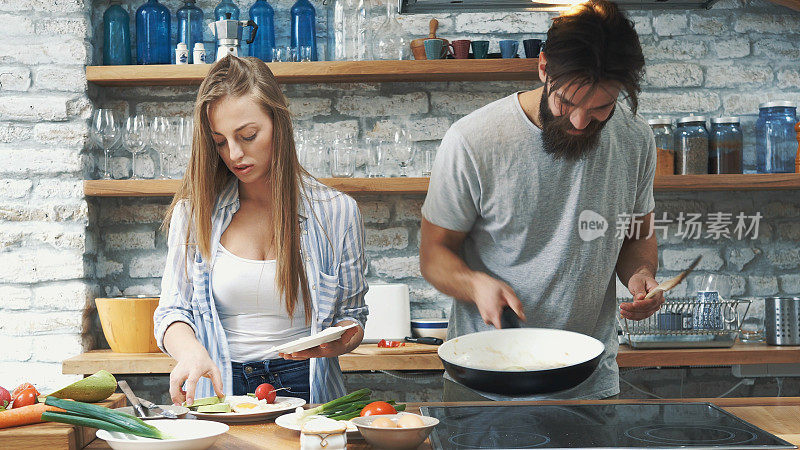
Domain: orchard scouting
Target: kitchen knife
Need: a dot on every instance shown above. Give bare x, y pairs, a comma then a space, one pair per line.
137, 406
425, 340
156, 409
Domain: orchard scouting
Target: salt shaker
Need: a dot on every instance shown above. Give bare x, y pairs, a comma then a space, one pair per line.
199, 53
323, 434
181, 53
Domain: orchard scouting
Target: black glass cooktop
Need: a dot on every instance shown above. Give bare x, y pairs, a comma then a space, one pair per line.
649, 425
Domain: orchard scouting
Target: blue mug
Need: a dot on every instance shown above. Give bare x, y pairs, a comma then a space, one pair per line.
707, 311
508, 48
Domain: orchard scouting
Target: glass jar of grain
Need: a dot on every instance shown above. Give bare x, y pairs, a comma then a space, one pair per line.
725, 146
691, 146
665, 152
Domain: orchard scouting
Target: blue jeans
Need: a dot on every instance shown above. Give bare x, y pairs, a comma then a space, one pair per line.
280, 373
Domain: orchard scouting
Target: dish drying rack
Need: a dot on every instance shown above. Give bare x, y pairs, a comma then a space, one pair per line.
687, 323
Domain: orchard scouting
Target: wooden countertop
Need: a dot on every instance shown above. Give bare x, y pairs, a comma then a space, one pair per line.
779, 416
142, 363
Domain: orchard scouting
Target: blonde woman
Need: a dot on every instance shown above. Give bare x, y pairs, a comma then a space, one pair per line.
259, 254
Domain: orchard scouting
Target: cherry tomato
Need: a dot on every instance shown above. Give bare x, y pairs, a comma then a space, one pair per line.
378, 408
266, 391
25, 397
22, 387
383, 343
5, 397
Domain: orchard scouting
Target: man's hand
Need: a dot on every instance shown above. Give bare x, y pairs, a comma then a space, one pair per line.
491, 296
326, 350
639, 285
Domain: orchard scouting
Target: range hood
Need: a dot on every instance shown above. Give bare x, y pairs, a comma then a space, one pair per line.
449, 6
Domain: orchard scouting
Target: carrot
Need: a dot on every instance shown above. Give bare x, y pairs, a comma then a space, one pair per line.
25, 415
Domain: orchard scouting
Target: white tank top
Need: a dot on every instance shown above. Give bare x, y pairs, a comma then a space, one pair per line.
253, 316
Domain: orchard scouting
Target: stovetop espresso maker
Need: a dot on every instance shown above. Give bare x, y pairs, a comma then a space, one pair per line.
228, 33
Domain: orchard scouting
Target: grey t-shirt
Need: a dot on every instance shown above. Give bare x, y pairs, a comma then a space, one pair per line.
523, 211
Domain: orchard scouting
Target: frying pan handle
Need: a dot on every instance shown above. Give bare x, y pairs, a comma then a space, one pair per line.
509, 318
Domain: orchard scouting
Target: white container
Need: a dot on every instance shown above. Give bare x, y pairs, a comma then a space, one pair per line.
181, 54
430, 328
323, 434
199, 53
389, 312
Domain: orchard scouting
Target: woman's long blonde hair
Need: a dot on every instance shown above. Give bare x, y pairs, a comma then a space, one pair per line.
207, 174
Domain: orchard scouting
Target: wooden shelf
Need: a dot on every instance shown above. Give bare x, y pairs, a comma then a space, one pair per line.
329, 72
91, 362
166, 188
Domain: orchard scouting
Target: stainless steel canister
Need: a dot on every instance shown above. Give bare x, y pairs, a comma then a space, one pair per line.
782, 320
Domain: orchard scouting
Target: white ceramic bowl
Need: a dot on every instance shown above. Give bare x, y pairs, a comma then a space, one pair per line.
430, 328
394, 438
187, 434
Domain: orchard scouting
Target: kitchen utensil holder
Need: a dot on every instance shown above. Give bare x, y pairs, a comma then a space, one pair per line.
782, 320
664, 330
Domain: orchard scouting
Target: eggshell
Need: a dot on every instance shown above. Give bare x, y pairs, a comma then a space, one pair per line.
410, 421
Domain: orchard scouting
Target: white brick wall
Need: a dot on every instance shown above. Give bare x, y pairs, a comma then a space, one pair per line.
45, 282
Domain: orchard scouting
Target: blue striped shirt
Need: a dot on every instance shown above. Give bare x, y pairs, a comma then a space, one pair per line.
332, 247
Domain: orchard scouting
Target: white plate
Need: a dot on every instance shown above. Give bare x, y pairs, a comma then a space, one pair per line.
327, 335
289, 421
179, 411
187, 435
282, 404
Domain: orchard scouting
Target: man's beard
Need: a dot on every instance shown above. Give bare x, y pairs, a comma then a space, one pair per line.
558, 142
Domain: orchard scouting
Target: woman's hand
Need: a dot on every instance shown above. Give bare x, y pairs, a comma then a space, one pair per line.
345, 344
193, 363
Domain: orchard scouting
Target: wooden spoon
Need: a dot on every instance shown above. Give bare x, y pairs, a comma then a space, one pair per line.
672, 282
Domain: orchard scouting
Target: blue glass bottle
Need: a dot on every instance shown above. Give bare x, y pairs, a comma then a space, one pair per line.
304, 26
153, 45
116, 36
264, 16
190, 26
226, 7
776, 144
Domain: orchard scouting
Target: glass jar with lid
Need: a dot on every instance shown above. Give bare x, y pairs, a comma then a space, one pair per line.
725, 145
691, 146
775, 137
665, 151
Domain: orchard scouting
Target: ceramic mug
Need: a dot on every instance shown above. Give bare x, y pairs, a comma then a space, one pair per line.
532, 47
461, 48
480, 49
508, 48
435, 48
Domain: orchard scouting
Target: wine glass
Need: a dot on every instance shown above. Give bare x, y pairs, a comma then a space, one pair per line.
404, 150
172, 146
136, 138
160, 130
186, 138
375, 151
105, 133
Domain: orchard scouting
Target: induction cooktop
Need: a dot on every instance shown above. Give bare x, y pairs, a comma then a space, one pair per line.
643, 425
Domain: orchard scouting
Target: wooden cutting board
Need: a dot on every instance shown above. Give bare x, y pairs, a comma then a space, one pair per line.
409, 349
55, 435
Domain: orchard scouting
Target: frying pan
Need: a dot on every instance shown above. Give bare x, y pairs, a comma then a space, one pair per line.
521, 361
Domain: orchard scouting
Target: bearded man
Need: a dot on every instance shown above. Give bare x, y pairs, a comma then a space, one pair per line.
521, 218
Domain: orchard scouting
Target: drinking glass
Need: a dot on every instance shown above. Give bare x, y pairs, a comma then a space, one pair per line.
304, 53
375, 149
160, 135
715, 282
172, 147
136, 138
105, 133
278, 54
427, 168
343, 163
404, 151
186, 133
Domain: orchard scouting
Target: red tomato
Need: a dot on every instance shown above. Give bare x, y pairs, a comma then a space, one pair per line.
378, 408
5, 397
383, 343
22, 387
266, 392
25, 397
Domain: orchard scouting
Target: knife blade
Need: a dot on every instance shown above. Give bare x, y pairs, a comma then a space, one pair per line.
137, 406
152, 407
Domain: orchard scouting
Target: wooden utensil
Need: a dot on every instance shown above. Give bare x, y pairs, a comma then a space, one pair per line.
672, 282
418, 45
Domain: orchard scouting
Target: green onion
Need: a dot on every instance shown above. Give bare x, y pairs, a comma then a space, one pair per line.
134, 425
333, 404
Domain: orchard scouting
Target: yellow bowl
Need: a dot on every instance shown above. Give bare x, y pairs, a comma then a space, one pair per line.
128, 323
